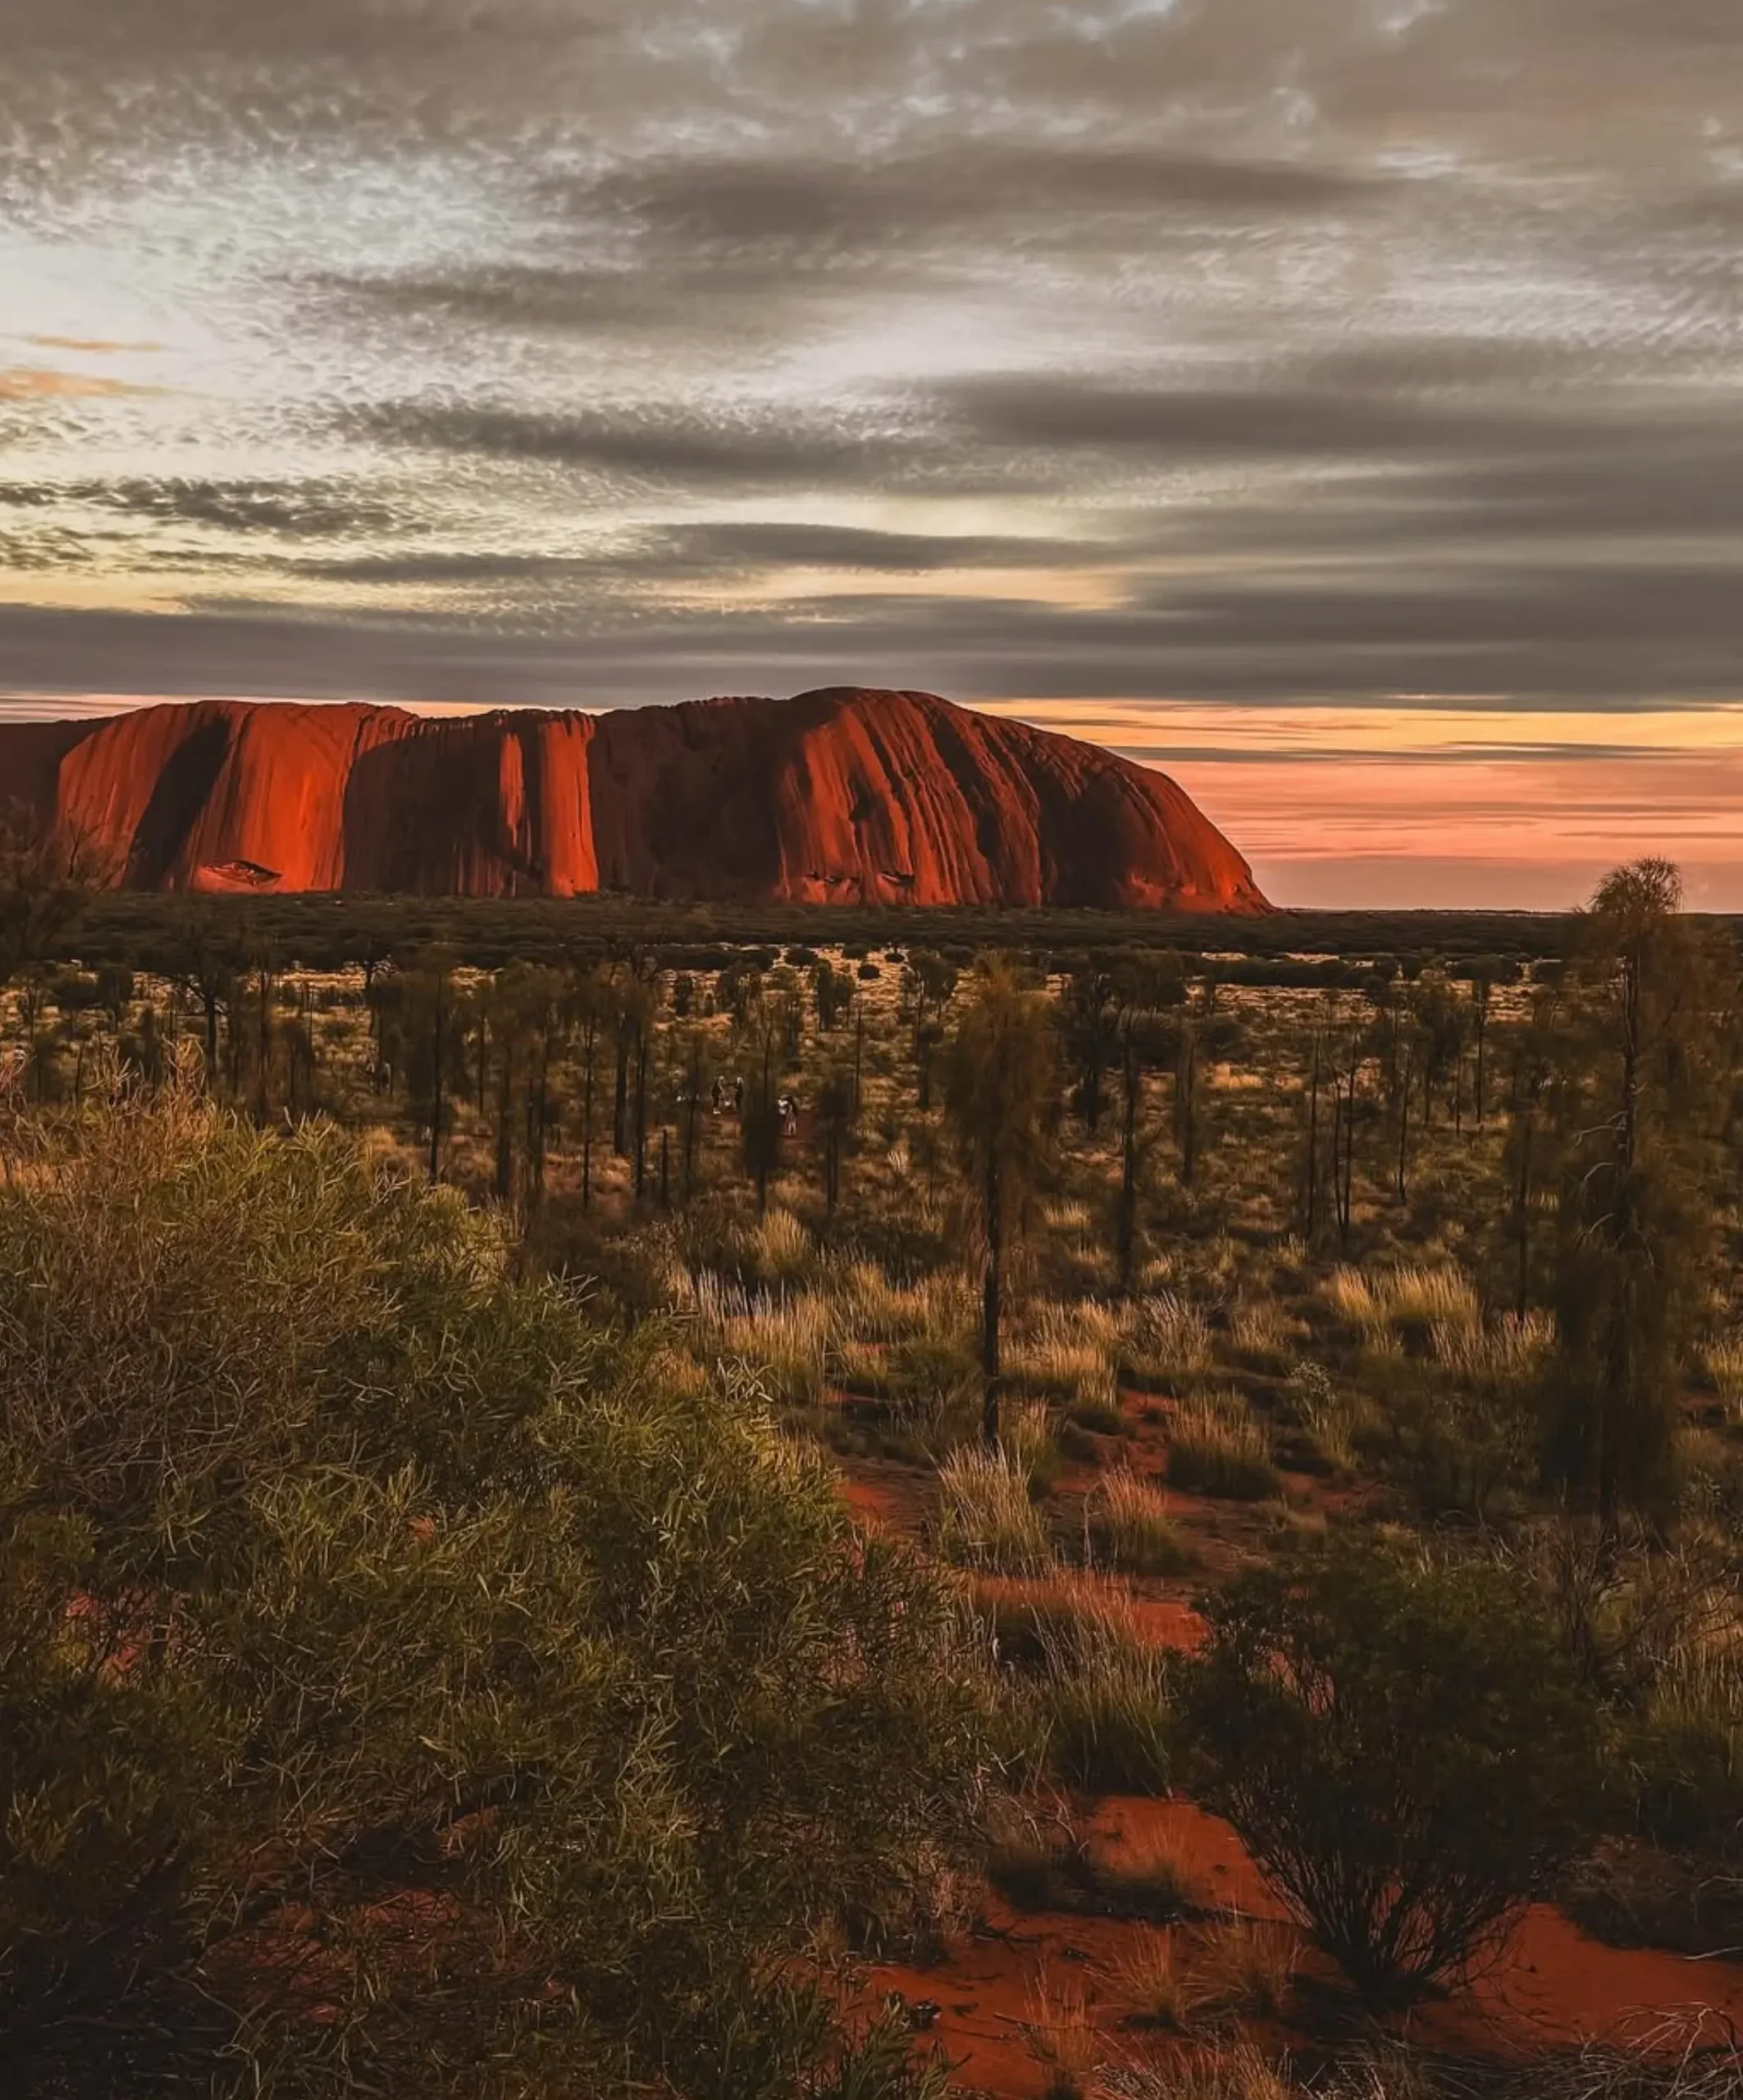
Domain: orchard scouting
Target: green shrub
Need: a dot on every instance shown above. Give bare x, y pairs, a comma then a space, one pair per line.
1403, 1747
403, 1687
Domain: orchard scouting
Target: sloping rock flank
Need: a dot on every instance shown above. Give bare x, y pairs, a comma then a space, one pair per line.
841, 795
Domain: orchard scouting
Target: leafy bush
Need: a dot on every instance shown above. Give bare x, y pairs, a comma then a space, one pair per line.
403, 1686
1402, 1745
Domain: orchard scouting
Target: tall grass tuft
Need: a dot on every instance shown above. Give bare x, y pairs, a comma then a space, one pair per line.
987, 1519
1127, 1526
1216, 1446
1103, 1701
1171, 1338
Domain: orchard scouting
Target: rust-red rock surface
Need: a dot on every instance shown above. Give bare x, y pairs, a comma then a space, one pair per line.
841, 795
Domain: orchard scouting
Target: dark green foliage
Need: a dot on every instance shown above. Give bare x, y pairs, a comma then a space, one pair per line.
1403, 1747
1000, 1081
46, 888
403, 1688
1642, 1025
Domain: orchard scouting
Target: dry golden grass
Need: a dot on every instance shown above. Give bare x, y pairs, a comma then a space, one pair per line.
1127, 1526
1072, 1350
1157, 1980
1259, 1327
1026, 1436
1506, 1352
1063, 2037
1170, 1337
1724, 1361
1249, 1967
1216, 1446
1413, 1296
781, 1248
987, 1519
1241, 2072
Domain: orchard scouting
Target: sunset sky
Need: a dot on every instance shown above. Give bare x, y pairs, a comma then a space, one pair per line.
1337, 403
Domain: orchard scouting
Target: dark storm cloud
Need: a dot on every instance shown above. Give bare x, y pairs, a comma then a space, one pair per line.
1031, 188
1578, 638
1066, 414
295, 510
740, 236
691, 554
671, 443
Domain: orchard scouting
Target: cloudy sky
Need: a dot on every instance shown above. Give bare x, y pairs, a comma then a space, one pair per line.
1339, 403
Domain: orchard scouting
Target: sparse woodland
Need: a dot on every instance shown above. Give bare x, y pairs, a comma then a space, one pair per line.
642, 1518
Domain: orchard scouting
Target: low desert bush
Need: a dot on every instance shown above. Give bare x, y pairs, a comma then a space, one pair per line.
1249, 1967
1063, 2037
1043, 1870
1682, 1753
1070, 1356
1258, 1331
1413, 1300
1244, 1970
407, 1685
787, 1338
1402, 1745
1673, 2059
1508, 1352
1216, 1446
1724, 1361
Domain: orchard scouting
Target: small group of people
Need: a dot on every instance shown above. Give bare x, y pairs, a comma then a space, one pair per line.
724, 1092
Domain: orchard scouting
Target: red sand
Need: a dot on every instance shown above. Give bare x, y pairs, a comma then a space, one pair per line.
1014, 1971
1553, 1986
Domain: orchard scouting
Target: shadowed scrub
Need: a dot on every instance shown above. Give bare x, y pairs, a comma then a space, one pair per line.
1402, 1746
404, 1688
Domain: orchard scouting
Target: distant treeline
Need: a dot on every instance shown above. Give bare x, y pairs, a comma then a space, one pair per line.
317, 932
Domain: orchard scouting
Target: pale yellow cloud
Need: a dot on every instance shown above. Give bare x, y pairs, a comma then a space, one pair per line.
93, 346
36, 383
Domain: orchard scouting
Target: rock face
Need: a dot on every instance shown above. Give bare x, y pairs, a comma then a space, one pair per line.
837, 796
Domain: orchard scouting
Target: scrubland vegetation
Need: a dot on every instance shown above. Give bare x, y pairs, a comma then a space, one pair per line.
599, 1524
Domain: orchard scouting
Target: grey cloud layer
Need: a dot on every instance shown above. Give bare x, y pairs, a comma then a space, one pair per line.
1335, 349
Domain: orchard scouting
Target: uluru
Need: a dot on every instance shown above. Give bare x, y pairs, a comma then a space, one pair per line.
842, 795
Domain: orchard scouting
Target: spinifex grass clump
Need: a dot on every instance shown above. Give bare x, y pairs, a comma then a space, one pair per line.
1169, 1338
1102, 1697
987, 1518
406, 1686
1216, 1446
1127, 1526
1028, 1440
